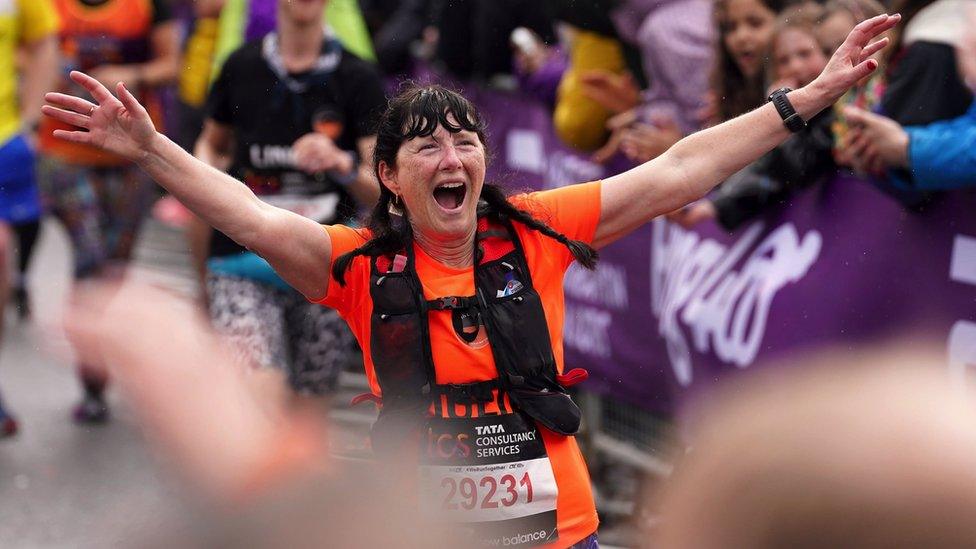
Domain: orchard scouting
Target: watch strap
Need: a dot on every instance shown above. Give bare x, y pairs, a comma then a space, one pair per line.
791, 119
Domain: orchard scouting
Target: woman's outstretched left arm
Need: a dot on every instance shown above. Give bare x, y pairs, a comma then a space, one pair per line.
694, 165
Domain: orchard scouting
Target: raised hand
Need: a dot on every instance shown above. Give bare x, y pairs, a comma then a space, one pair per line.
852, 61
615, 92
118, 125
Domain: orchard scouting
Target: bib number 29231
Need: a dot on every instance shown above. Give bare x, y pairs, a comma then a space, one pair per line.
493, 474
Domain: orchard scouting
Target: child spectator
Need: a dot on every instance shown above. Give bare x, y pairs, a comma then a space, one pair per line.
745, 32
796, 59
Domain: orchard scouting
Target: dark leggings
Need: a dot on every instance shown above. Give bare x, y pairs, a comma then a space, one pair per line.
26, 238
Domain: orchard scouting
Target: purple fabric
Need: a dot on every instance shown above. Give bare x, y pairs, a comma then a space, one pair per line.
261, 18
543, 83
675, 39
670, 311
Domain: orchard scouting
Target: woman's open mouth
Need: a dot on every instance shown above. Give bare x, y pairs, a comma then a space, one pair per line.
450, 196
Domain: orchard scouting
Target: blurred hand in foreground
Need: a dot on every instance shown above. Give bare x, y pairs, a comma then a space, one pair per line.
194, 397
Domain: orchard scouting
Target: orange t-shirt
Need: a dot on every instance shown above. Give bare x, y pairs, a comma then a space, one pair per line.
114, 33
573, 211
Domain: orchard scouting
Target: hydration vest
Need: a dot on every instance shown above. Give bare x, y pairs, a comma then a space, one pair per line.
511, 311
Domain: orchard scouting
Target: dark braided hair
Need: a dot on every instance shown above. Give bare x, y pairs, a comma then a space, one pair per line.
416, 112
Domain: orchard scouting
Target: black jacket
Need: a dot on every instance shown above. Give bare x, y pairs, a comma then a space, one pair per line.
801, 160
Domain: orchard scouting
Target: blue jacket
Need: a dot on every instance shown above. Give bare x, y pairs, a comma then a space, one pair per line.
942, 155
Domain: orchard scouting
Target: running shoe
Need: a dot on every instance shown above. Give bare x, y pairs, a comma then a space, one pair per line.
91, 410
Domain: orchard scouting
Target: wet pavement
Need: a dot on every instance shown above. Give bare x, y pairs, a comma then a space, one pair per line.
62, 485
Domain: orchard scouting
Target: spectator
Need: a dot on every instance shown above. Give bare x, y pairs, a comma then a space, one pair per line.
939, 156
579, 120
840, 16
194, 80
675, 39
745, 30
923, 84
803, 159
923, 79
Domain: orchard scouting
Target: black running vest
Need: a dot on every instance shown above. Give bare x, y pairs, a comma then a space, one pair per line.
511, 311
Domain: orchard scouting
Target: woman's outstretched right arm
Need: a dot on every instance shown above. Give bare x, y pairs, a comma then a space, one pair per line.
298, 248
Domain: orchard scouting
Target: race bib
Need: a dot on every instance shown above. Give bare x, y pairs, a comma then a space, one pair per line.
491, 474
320, 208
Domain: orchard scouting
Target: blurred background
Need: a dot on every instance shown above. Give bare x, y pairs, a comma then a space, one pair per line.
853, 238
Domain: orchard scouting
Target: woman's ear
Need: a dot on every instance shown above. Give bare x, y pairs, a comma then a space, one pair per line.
388, 177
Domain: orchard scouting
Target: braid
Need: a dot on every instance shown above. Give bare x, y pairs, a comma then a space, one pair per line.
497, 201
387, 238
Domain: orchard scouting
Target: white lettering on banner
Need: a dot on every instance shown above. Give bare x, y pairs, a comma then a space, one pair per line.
271, 156
606, 286
587, 330
692, 279
483, 493
962, 336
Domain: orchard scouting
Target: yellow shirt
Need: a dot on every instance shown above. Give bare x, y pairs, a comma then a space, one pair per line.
21, 22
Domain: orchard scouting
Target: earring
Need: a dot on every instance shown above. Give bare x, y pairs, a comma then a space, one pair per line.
395, 207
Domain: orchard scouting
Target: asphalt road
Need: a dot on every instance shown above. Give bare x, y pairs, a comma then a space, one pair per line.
62, 485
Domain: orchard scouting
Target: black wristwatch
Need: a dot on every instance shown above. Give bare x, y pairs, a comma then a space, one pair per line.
791, 119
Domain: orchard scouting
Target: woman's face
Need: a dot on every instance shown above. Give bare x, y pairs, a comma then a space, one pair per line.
439, 180
797, 56
834, 30
747, 27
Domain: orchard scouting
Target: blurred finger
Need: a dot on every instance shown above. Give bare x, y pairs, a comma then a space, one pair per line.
606, 152
856, 146
642, 132
873, 48
73, 136
94, 87
622, 120
69, 102
855, 115
869, 28
129, 101
68, 117
876, 165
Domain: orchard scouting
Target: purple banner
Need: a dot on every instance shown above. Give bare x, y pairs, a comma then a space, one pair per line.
670, 310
